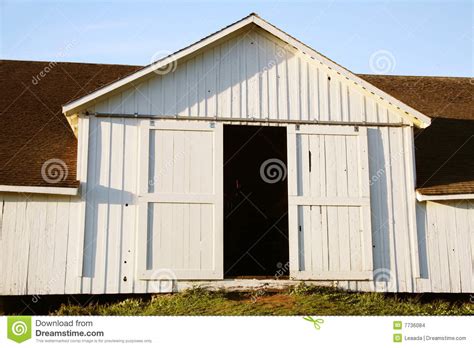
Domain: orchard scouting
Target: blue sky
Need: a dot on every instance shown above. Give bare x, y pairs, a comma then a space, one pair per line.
414, 37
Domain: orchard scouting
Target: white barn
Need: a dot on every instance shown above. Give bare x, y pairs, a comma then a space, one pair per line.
154, 192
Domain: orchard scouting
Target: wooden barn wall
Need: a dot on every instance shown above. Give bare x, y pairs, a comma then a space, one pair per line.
246, 76
254, 75
39, 236
111, 226
110, 233
46, 227
446, 235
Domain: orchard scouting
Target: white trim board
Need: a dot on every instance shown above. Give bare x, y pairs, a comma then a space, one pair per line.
69, 191
419, 119
422, 198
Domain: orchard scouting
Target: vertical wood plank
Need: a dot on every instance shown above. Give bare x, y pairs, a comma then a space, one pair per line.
75, 246
293, 82
304, 174
55, 284
452, 249
365, 192
333, 238
272, 81
201, 85
292, 208
253, 96
224, 90
115, 197
410, 168
282, 76
235, 78
104, 169
323, 95
307, 229
218, 211
464, 217
192, 87
182, 103
317, 239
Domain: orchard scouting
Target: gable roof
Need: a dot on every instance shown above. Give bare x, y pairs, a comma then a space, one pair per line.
414, 115
30, 135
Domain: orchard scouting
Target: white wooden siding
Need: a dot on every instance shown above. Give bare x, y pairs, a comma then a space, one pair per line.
446, 235
181, 200
329, 203
392, 200
253, 76
32, 269
223, 82
39, 235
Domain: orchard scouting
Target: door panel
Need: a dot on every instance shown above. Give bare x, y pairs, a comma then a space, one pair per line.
181, 200
329, 203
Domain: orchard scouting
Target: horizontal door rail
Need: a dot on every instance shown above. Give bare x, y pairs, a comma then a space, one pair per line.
248, 120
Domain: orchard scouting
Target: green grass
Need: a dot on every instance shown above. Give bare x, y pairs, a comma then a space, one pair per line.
302, 300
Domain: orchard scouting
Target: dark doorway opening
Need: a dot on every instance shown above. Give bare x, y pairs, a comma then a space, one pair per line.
255, 202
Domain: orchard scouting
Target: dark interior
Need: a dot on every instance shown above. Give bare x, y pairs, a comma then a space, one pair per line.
255, 202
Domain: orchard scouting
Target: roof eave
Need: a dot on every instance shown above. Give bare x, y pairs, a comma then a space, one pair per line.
50, 190
443, 197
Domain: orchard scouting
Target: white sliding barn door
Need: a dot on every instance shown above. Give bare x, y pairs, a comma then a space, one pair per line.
181, 200
329, 203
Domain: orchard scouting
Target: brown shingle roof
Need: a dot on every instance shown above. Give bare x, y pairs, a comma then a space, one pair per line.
446, 97
33, 129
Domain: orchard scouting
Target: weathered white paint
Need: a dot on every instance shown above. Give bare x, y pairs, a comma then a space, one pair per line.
181, 200
329, 203
446, 235
243, 28
111, 201
38, 244
199, 94
47, 229
254, 75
